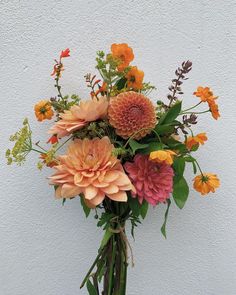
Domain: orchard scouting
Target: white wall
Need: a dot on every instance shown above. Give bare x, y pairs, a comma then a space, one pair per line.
45, 249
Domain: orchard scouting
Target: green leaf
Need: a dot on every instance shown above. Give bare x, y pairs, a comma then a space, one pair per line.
136, 146
152, 147
85, 207
106, 238
91, 289
179, 166
172, 113
105, 217
180, 191
163, 228
144, 209
191, 160
135, 206
164, 129
120, 84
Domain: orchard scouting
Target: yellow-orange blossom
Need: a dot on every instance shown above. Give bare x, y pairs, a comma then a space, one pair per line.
89, 168
206, 183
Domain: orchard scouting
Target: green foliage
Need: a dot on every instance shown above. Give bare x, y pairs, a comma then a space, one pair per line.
180, 191
164, 129
175, 145
192, 160
147, 88
60, 104
179, 166
91, 289
163, 228
152, 147
144, 209
136, 146
108, 234
121, 83
105, 218
180, 188
172, 114
85, 207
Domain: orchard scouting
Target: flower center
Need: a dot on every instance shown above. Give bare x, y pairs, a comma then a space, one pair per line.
122, 57
135, 111
43, 110
132, 79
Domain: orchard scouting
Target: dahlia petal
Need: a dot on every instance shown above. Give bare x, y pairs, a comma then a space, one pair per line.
121, 196
69, 190
97, 200
90, 192
111, 189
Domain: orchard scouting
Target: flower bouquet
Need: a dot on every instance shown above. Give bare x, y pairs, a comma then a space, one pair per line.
124, 153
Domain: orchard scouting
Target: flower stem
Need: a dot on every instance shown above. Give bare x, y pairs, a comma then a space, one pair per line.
192, 107
184, 113
91, 268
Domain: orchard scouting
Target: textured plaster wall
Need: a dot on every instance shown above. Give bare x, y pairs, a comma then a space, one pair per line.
45, 248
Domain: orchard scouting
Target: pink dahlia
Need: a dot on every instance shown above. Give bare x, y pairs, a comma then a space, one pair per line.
153, 181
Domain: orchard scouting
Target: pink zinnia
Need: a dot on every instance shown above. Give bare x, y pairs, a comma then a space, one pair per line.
153, 181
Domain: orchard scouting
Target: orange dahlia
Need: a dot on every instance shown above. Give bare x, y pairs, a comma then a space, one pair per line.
123, 53
132, 114
89, 168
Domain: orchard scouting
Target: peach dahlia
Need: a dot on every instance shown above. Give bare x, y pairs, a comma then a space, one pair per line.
132, 114
89, 168
79, 115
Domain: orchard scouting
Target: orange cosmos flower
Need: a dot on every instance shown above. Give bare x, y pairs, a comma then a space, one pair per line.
214, 109
123, 53
132, 114
205, 94
196, 140
206, 183
79, 115
89, 168
162, 156
43, 110
135, 78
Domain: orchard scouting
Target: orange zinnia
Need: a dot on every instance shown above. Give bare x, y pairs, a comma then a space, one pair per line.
123, 53
135, 78
162, 156
196, 140
206, 183
43, 110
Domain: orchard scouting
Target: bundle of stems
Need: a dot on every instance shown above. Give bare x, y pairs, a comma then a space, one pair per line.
109, 270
